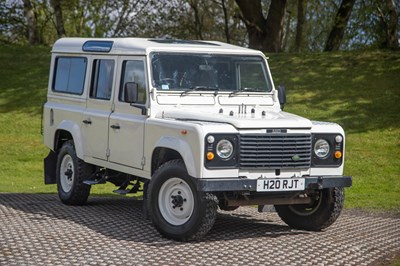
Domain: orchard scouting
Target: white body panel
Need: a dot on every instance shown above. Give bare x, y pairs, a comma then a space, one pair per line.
271, 119
172, 120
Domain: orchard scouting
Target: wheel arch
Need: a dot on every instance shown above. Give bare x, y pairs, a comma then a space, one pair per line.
68, 130
170, 148
176, 208
64, 132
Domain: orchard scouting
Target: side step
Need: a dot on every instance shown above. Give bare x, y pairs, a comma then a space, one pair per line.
98, 177
94, 182
123, 189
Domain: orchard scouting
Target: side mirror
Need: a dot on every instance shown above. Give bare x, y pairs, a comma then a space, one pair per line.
282, 96
131, 92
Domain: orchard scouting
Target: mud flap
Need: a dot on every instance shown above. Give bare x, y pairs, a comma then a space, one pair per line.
50, 166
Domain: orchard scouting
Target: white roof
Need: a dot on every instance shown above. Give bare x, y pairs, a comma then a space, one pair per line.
141, 46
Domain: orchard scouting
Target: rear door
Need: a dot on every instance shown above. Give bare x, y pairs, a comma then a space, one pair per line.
99, 107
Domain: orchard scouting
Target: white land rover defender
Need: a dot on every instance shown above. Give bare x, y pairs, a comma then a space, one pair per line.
195, 125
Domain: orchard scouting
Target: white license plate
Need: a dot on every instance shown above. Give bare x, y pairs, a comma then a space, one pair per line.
280, 184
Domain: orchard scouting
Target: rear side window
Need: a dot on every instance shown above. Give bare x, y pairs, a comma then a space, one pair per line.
69, 76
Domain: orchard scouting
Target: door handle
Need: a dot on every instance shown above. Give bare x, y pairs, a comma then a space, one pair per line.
115, 126
87, 121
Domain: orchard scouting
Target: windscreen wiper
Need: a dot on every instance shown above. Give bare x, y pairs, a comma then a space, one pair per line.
247, 90
201, 88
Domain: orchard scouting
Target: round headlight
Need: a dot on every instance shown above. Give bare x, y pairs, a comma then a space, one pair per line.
224, 149
321, 148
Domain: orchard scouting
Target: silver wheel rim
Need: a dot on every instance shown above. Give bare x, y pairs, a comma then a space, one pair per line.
308, 210
67, 174
176, 201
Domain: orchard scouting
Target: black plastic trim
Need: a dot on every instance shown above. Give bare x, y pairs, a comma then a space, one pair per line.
330, 161
275, 150
50, 165
218, 163
244, 184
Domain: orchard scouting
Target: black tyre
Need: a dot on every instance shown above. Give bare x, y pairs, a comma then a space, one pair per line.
320, 214
70, 173
177, 210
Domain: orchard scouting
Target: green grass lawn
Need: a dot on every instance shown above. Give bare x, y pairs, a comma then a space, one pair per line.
361, 92
396, 261
358, 90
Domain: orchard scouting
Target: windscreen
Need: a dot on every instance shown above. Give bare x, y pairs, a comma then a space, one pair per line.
172, 71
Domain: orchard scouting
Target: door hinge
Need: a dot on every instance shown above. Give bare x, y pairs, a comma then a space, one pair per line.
108, 153
143, 161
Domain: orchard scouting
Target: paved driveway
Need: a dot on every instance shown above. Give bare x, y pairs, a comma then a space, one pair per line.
39, 230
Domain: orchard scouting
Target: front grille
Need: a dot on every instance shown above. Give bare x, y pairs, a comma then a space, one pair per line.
275, 151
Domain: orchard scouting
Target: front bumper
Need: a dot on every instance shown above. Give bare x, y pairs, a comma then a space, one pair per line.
243, 184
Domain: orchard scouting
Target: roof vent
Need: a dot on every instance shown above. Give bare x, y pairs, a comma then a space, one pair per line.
97, 46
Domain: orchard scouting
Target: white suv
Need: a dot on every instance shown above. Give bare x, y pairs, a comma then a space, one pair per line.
195, 125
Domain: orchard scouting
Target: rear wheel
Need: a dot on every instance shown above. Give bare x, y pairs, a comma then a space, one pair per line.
176, 208
320, 214
70, 174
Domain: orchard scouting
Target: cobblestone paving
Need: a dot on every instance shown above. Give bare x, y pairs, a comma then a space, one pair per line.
40, 230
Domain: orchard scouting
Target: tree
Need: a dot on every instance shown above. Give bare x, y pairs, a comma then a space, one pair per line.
389, 24
342, 17
299, 25
198, 18
267, 25
226, 21
56, 5
12, 23
31, 21
194, 19
265, 34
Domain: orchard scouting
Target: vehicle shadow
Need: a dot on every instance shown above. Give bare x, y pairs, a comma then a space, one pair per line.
122, 219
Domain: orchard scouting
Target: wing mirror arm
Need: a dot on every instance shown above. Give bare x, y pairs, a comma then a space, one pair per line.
282, 96
131, 92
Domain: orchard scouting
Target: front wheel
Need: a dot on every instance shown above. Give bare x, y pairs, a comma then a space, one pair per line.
70, 174
176, 208
321, 213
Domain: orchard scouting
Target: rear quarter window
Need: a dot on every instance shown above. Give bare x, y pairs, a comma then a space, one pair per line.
69, 74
